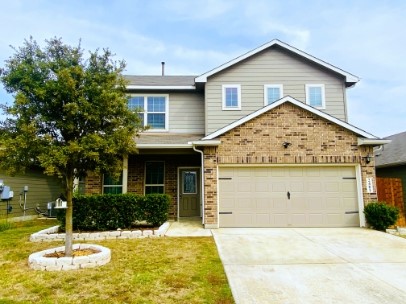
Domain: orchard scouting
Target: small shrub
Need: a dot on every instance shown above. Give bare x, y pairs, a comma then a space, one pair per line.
380, 215
156, 208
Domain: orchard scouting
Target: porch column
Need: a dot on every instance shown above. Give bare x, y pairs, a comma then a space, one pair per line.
76, 185
125, 173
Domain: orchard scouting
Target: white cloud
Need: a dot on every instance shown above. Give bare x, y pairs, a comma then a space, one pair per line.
272, 19
296, 36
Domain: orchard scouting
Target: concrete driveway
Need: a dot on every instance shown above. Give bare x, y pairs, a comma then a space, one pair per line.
312, 265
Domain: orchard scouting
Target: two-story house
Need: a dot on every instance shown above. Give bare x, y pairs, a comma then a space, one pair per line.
260, 141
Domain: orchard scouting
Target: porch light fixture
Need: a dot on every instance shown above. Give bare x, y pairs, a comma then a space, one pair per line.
286, 144
367, 158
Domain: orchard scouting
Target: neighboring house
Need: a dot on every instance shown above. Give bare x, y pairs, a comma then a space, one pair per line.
391, 159
260, 141
41, 190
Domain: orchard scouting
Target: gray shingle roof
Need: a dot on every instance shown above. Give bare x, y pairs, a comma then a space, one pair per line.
393, 153
161, 80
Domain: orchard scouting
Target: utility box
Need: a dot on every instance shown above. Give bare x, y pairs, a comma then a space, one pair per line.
5, 194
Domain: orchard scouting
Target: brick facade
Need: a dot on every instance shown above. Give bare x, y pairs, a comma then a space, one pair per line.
93, 183
313, 140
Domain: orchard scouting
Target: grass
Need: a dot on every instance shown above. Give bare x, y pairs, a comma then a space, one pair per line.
153, 270
5, 225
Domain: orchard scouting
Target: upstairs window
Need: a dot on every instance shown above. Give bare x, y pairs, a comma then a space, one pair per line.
152, 109
136, 103
154, 177
315, 95
272, 92
231, 97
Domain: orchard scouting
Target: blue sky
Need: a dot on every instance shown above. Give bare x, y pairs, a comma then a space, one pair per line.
365, 38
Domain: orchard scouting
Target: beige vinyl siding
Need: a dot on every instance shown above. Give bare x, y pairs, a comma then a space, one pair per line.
41, 189
272, 66
186, 112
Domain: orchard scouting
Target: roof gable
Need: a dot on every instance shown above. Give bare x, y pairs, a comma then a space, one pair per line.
350, 79
298, 104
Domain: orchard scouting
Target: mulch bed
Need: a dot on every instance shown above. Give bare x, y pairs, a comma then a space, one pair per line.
75, 253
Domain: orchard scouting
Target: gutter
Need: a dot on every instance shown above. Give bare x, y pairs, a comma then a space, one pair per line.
152, 87
401, 163
205, 143
190, 144
372, 142
164, 146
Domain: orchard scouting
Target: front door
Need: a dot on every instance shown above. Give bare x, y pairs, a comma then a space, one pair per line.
189, 192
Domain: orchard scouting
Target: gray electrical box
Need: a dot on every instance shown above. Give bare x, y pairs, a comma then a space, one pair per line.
5, 194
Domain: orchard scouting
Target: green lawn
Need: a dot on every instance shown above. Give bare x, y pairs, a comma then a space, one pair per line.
153, 270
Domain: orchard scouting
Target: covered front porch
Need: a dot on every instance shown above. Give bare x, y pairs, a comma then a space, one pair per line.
164, 163
176, 173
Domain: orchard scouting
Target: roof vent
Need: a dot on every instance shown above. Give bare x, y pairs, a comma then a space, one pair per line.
163, 68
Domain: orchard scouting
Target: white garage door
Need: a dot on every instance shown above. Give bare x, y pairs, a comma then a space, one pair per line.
288, 197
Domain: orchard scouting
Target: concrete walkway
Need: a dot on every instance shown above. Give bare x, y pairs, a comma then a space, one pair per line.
188, 226
311, 265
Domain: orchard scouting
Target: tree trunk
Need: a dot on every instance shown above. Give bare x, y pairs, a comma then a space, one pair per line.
69, 215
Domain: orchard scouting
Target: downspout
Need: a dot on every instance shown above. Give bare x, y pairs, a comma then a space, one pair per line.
202, 180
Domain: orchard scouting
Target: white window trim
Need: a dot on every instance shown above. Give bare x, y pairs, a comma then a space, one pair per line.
270, 86
145, 112
223, 93
145, 174
323, 95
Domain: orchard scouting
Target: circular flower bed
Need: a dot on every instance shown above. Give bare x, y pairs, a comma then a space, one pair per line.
54, 260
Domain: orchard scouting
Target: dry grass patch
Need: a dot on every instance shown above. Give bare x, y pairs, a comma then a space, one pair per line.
154, 270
